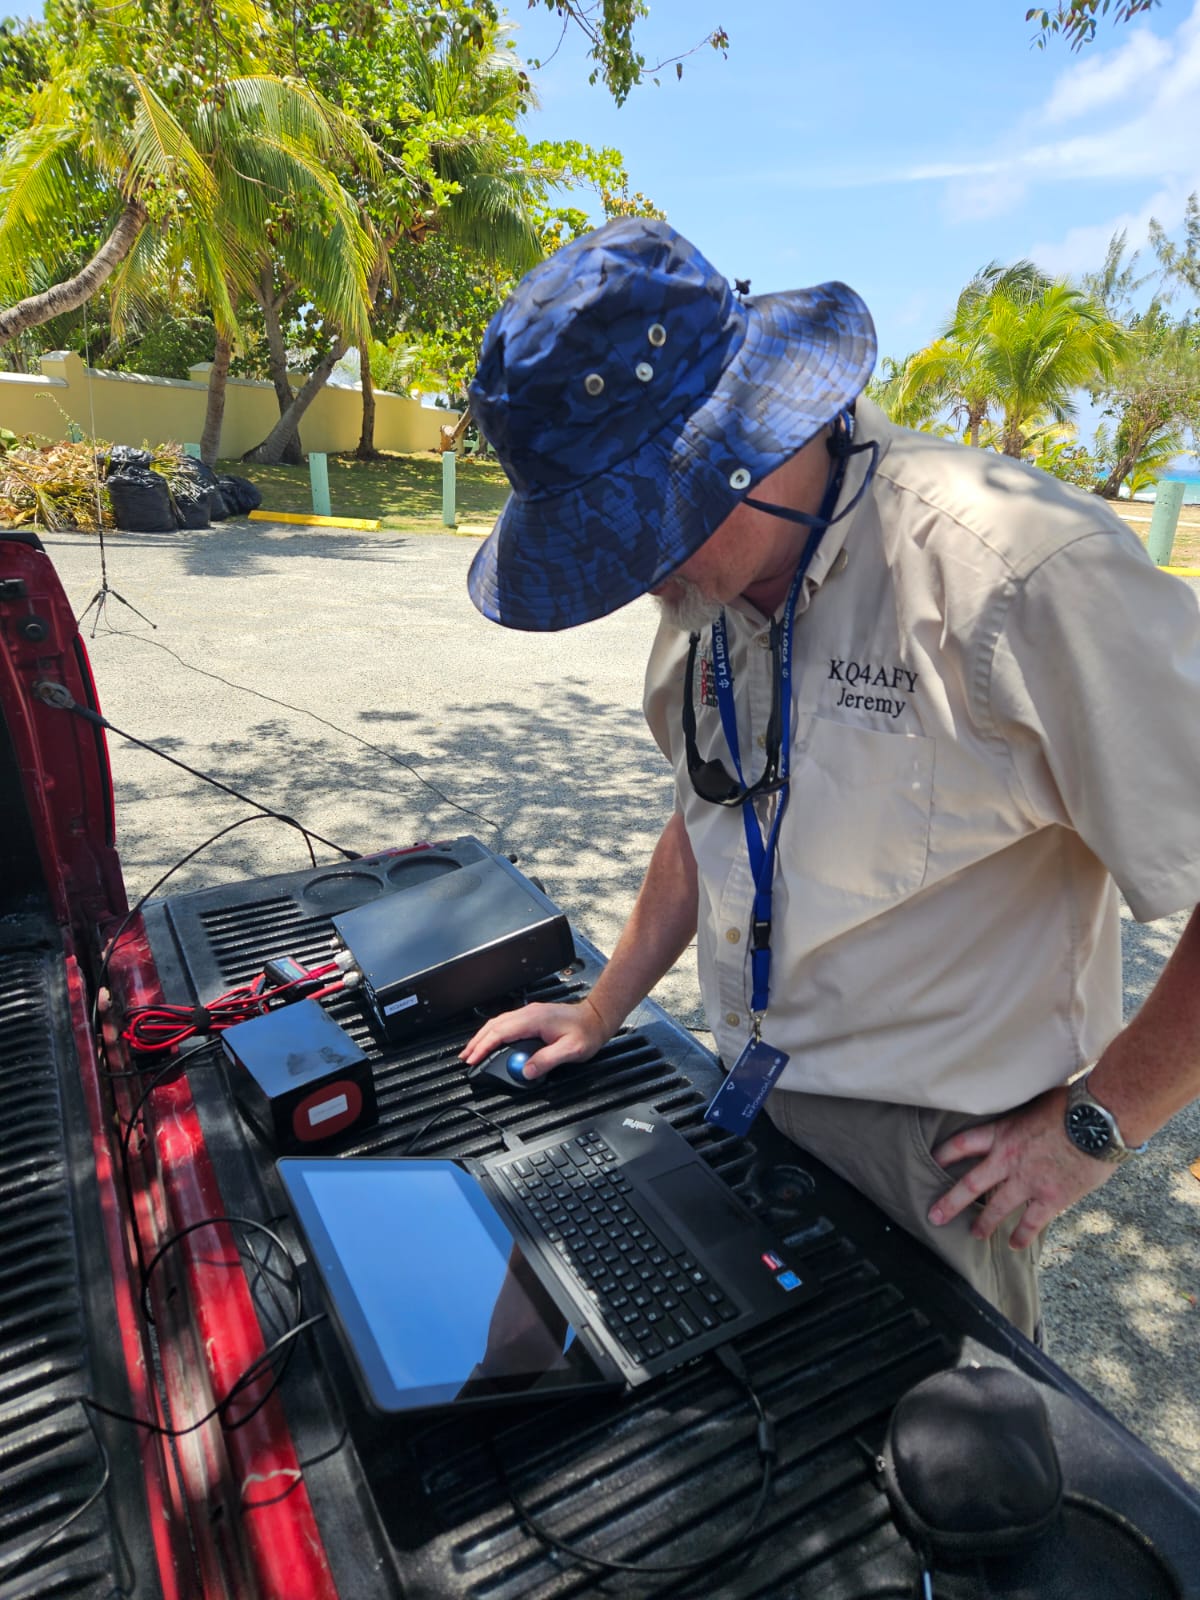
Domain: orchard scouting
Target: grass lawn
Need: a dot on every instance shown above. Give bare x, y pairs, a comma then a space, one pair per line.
403, 491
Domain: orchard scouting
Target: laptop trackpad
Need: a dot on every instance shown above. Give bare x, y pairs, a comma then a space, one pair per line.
697, 1198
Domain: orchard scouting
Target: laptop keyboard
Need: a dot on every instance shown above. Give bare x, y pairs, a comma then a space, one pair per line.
652, 1295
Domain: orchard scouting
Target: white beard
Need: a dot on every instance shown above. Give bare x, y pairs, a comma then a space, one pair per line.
686, 606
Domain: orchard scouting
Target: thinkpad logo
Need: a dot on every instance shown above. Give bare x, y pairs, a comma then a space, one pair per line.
638, 1127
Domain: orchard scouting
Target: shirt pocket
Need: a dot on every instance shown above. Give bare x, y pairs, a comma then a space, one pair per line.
860, 806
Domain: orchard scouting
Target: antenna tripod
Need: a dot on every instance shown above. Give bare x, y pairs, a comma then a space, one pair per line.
100, 599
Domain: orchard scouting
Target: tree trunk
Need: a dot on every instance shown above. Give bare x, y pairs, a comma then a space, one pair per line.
277, 358
451, 436
1125, 463
366, 444
71, 294
1111, 487
214, 414
270, 451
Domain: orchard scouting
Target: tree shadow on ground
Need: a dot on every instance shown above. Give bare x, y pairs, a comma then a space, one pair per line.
1121, 1270
238, 549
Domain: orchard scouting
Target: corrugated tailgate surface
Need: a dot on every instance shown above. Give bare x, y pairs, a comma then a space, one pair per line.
49, 1460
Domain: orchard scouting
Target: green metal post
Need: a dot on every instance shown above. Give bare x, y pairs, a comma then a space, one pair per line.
192, 450
449, 462
318, 472
1168, 497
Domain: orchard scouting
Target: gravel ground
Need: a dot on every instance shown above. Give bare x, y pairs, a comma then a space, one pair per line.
346, 679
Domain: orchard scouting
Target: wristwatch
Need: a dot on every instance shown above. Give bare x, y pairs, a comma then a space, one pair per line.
1092, 1127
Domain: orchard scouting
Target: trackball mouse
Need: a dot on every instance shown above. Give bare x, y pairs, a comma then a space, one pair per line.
504, 1068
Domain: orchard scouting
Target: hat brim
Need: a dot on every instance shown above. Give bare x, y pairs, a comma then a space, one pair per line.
556, 562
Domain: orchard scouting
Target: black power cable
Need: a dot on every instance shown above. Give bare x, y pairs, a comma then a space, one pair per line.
60, 697
303, 711
285, 1342
110, 947
767, 1451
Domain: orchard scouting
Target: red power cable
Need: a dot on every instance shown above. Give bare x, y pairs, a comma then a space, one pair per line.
159, 1028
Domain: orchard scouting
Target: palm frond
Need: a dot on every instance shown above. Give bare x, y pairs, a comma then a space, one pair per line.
161, 149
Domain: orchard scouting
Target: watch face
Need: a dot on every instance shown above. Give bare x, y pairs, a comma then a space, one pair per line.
1089, 1128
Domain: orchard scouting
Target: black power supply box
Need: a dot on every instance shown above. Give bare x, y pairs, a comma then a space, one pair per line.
298, 1078
453, 942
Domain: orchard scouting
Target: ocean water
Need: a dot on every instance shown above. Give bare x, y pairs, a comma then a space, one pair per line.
1190, 481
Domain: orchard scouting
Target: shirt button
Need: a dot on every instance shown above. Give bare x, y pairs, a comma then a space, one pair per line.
764, 641
733, 934
761, 741
732, 1018
839, 564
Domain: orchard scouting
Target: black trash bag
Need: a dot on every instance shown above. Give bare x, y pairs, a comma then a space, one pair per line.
239, 494
191, 503
120, 457
203, 477
141, 501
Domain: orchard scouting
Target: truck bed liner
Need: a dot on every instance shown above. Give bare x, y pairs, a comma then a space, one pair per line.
418, 1509
56, 1306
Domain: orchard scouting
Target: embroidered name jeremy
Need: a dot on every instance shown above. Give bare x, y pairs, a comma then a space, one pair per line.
870, 676
870, 702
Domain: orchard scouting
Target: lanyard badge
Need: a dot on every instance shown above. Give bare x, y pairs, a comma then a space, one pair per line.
739, 1099
756, 1071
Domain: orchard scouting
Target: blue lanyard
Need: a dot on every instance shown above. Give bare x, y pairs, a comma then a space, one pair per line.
762, 852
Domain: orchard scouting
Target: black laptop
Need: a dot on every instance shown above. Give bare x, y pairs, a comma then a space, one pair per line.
594, 1258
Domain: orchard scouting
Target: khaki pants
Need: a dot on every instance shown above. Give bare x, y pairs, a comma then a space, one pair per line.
885, 1151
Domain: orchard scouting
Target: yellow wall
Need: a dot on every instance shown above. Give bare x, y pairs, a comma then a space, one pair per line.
123, 408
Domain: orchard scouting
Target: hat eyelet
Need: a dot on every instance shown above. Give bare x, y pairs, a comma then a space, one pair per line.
643, 372
594, 384
739, 478
656, 334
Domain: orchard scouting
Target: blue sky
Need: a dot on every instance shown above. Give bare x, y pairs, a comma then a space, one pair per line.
896, 144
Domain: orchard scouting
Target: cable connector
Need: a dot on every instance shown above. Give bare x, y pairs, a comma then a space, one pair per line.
768, 1448
733, 1364
284, 971
344, 960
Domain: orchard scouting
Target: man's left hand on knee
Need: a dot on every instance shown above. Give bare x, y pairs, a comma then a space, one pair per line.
1025, 1163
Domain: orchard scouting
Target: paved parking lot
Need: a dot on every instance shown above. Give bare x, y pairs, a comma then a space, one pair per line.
346, 679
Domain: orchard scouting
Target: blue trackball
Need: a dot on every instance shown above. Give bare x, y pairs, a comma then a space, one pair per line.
516, 1063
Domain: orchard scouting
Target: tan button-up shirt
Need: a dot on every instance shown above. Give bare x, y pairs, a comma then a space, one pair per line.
996, 714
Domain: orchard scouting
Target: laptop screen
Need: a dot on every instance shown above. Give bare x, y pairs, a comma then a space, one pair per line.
435, 1298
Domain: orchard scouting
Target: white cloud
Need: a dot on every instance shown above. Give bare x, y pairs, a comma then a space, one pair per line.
1082, 249
984, 194
1100, 80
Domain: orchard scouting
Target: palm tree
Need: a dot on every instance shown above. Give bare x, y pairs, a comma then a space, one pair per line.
197, 181
1039, 354
1017, 347
952, 373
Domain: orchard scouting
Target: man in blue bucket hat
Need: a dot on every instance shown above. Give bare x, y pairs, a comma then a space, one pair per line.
903, 685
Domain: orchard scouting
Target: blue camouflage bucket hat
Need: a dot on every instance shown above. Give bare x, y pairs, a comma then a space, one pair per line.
633, 401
